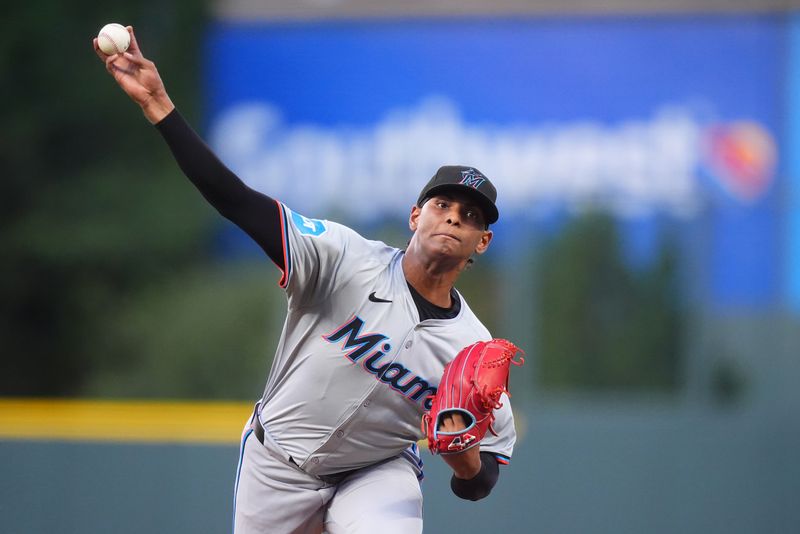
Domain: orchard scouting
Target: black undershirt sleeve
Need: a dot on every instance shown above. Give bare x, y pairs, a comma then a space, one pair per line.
480, 485
255, 213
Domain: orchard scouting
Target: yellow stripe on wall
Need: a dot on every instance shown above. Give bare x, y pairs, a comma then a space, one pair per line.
123, 421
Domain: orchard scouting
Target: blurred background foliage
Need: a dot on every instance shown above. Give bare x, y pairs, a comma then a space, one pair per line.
92, 211
605, 325
111, 283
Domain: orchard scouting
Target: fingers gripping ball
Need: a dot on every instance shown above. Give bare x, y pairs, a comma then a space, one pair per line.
113, 39
471, 385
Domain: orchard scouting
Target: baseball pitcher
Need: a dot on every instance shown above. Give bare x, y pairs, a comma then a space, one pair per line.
378, 349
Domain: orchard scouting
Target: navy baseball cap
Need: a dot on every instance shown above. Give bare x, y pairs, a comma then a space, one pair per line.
468, 180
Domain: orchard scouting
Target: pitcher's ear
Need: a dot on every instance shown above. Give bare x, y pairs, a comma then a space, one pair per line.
413, 218
484, 242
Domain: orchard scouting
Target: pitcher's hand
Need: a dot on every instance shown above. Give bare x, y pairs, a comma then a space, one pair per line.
139, 78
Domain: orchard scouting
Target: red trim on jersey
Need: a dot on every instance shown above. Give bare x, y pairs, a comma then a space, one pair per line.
502, 459
284, 281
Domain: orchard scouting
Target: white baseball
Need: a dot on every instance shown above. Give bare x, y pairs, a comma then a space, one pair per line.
113, 39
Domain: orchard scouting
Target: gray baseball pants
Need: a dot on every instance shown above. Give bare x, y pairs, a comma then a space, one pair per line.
275, 496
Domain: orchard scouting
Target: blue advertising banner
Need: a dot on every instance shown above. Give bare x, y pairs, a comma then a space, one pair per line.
652, 118
792, 253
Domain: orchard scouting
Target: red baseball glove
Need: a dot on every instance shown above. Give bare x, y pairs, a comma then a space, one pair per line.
471, 385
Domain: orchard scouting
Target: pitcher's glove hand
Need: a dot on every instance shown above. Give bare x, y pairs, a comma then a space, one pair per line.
471, 385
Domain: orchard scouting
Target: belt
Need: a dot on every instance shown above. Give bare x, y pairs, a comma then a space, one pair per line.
335, 478
258, 428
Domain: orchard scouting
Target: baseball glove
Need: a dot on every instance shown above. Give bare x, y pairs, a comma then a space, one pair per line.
471, 385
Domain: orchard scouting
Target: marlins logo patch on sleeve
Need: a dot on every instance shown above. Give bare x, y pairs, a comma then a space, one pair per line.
306, 226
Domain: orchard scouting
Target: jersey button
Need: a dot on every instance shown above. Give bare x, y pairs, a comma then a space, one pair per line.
340, 433
408, 344
315, 460
366, 403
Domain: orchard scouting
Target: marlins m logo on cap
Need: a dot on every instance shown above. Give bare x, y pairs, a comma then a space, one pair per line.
470, 181
472, 178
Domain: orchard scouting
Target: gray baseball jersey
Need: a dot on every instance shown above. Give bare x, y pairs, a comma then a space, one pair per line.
355, 366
